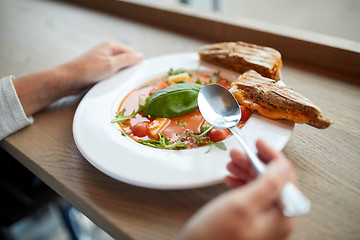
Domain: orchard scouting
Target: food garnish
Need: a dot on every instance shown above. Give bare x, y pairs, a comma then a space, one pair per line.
120, 117
167, 116
173, 101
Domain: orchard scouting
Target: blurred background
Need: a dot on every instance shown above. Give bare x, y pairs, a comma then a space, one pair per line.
331, 17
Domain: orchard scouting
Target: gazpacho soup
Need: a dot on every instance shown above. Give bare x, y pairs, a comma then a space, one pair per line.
163, 112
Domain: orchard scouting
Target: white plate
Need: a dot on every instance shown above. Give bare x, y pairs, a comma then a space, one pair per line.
102, 144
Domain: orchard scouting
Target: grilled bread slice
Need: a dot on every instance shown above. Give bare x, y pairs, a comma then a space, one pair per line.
276, 102
241, 57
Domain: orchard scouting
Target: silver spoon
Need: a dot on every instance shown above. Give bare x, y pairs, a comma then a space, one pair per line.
220, 109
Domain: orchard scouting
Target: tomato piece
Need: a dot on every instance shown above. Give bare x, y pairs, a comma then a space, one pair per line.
140, 129
159, 86
218, 134
245, 113
223, 82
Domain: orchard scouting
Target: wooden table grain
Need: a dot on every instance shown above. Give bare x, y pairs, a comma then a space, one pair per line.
39, 34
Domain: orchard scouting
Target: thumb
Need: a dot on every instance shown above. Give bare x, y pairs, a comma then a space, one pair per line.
126, 59
266, 189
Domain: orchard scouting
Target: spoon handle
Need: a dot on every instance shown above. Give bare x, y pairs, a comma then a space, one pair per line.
294, 201
256, 162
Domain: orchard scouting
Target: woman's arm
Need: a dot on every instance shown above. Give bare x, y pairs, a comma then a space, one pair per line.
38, 90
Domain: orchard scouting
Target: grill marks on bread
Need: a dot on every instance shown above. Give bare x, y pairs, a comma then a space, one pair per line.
241, 57
275, 101
256, 88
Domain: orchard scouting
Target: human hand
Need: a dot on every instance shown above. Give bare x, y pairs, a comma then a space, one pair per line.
252, 210
39, 89
99, 63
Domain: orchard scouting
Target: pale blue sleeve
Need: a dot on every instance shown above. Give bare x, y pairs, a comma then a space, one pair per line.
12, 115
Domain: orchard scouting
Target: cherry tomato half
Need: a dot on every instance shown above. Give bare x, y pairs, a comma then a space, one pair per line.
140, 129
245, 113
218, 134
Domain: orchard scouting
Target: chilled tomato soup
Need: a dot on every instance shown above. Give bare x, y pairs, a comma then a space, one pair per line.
163, 113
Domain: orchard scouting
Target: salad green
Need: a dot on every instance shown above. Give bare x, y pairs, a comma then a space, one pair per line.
176, 100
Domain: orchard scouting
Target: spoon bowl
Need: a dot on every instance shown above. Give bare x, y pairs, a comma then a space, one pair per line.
218, 106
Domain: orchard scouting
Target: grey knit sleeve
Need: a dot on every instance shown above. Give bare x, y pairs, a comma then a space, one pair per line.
12, 115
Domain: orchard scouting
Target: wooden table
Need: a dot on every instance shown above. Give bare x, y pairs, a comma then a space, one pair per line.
39, 34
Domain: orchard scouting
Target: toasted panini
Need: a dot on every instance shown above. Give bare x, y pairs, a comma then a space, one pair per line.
275, 101
241, 57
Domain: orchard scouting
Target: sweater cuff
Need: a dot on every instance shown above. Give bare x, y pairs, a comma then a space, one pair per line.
13, 117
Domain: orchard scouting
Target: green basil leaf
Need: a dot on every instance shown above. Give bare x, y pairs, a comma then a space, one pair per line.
173, 101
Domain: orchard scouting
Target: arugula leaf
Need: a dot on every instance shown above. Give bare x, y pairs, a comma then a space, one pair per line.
180, 123
205, 130
121, 117
214, 78
198, 136
124, 134
172, 72
198, 81
198, 141
220, 145
163, 142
